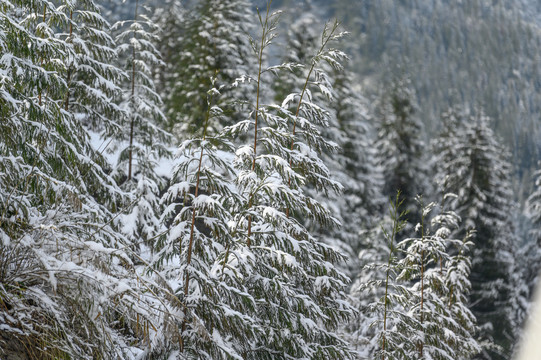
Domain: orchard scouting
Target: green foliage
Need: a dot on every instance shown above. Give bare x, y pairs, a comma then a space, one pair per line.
531, 252
213, 301
141, 138
139, 101
470, 52
58, 247
241, 258
400, 146
413, 293
438, 287
92, 84
298, 291
214, 43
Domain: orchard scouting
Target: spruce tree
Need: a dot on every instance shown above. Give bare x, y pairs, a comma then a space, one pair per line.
400, 146
91, 78
463, 341
300, 44
168, 19
353, 165
213, 306
446, 327
473, 165
375, 291
412, 295
532, 250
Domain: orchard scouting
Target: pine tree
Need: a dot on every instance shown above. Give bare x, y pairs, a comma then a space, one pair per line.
355, 165
474, 166
457, 283
446, 326
375, 291
533, 249
301, 42
91, 78
530, 252
168, 19
348, 126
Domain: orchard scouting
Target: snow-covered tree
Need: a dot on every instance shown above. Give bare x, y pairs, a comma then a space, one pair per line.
140, 101
474, 166
142, 140
533, 252
91, 77
412, 295
400, 146
375, 291
530, 252
446, 327
354, 166
69, 288
463, 341
348, 126
214, 43
195, 256
301, 43
298, 291
168, 18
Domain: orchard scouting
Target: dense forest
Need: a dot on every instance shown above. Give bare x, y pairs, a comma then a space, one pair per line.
244, 179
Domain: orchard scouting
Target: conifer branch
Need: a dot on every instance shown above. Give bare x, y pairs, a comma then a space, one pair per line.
326, 37
397, 226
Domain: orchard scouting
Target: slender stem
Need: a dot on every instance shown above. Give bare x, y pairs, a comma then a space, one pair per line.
68, 79
303, 91
260, 61
132, 121
226, 257
297, 111
41, 60
396, 225
422, 281
131, 150
192, 226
